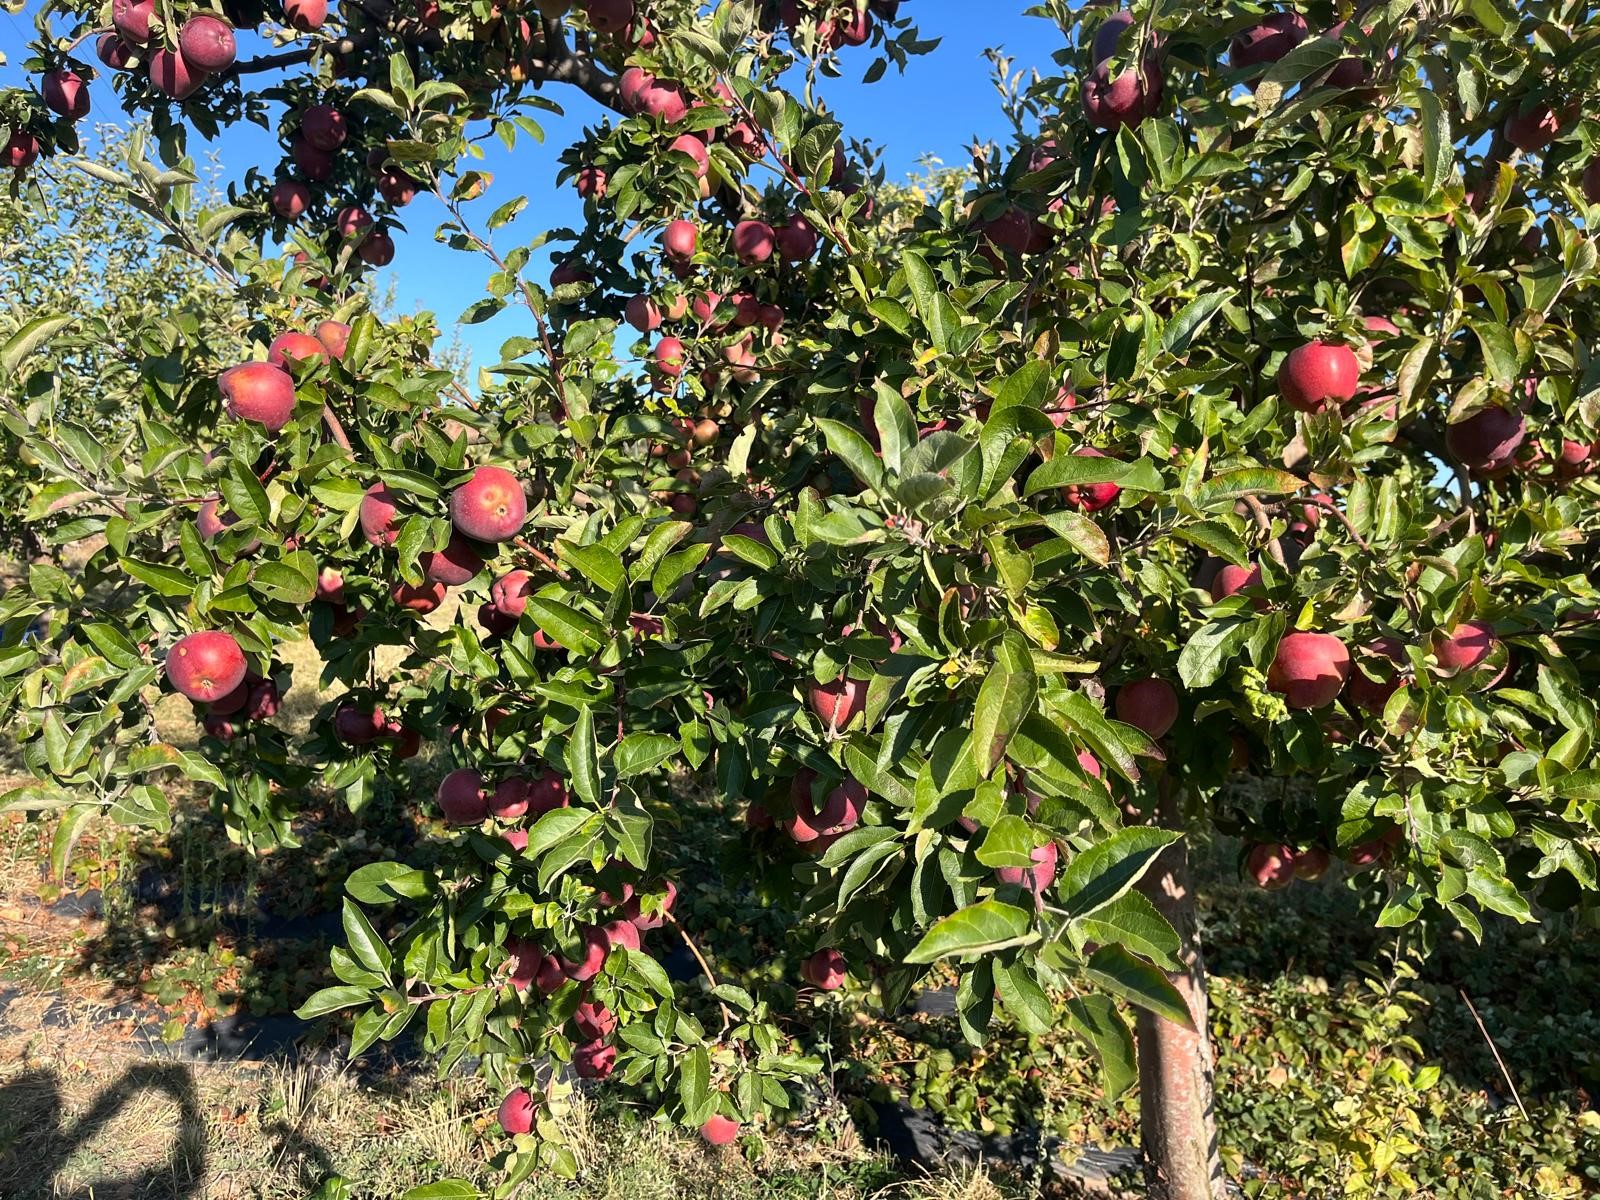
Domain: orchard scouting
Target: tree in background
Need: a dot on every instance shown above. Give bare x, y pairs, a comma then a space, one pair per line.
1239, 418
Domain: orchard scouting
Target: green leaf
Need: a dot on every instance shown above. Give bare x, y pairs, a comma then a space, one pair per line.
1192, 318
1137, 982
1076, 470
583, 761
1004, 701
1097, 1021
1438, 148
639, 753
598, 565
855, 450
574, 630
365, 944
1134, 923
387, 882
980, 928
27, 339
694, 1085
1008, 843
445, 1189
1105, 871
1211, 648
1024, 999
1225, 489
330, 999
556, 826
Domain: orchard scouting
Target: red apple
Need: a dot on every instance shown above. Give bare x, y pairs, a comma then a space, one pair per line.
1319, 374
1309, 669
1148, 704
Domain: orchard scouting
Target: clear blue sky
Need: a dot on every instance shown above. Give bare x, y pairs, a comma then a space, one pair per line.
938, 106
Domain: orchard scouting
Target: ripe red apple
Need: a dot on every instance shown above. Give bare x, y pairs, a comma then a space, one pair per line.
547, 792
407, 744
21, 150
110, 49
1318, 374
688, 143
356, 727
206, 666
352, 221
489, 507
376, 249
1090, 497
591, 183
1532, 126
836, 703
66, 93
334, 336
826, 969
609, 16
511, 591
594, 1060
260, 392
1271, 866
516, 1111
1488, 440
753, 241
1149, 704
633, 910
595, 948
593, 1020
1591, 181
132, 19
289, 198
1464, 647
667, 357
462, 798
209, 522
306, 15
316, 165
233, 701
1309, 669
1350, 72
396, 187
220, 728
379, 510
1232, 579
1037, 878
1266, 43
420, 598
510, 799
796, 240
207, 43
296, 347
643, 314
1110, 104
679, 239
173, 76
456, 564
719, 1130
746, 309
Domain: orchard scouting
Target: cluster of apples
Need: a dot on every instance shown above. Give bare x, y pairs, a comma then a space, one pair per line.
533, 969
322, 130
209, 667
1275, 865
465, 799
835, 24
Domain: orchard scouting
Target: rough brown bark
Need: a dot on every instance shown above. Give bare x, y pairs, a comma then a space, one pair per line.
1177, 1116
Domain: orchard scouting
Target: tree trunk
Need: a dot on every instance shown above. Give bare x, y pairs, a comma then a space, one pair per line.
1177, 1117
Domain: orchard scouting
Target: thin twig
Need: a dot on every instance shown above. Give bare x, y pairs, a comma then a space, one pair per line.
1494, 1050
1325, 503
1264, 523
539, 555
727, 1013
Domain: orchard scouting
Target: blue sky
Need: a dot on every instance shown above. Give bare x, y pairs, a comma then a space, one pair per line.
938, 106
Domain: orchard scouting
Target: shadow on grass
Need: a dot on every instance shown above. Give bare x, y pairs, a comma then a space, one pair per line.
35, 1142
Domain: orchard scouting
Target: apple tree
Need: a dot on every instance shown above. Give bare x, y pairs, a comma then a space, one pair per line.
1238, 419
